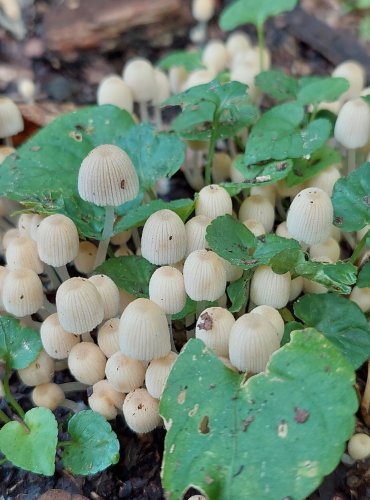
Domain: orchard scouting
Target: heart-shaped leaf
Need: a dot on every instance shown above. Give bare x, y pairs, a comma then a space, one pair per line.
303, 169
31, 446
94, 445
364, 276
19, 346
268, 438
277, 84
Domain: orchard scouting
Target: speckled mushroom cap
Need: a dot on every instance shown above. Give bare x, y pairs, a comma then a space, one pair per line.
213, 327
163, 240
55, 340
57, 240
79, 305
105, 399
212, 201
141, 411
352, 128
125, 374
204, 275
310, 216
167, 289
107, 176
11, 121
269, 288
22, 292
143, 331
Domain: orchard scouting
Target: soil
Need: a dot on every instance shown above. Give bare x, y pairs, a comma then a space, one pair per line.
67, 76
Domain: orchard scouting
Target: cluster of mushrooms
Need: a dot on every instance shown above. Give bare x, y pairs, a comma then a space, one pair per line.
123, 346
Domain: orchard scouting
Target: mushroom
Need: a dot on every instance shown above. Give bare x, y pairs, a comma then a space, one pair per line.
213, 327
124, 374
212, 201
139, 75
328, 248
86, 362
273, 315
359, 446
108, 292
162, 92
269, 288
167, 289
157, 374
22, 252
296, 287
27, 90
237, 42
11, 121
85, 259
203, 11
215, 56
255, 227
55, 340
24, 225
310, 286
259, 208
361, 297
221, 166
196, 229
52, 396
355, 73
108, 337
22, 292
141, 411
114, 90
325, 179
105, 399
40, 371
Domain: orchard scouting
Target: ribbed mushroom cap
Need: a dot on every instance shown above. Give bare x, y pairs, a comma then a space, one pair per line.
215, 56
40, 371
203, 10
108, 337
252, 341
213, 200
167, 289
24, 225
79, 305
352, 128
22, 292
57, 240
157, 374
143, 331
163, 240
269, 288
272, 315
196, 229
125, 374
213, 327
35, 224
85, 259
310, 216
139, 76
22, 252
55, 340
359, 446
11, 121
105, 399
48, 395
259, 208
296, 287
86, 362
141, 411
204, 275
113, 90
108, 292
107, 176
8, 236
268, 192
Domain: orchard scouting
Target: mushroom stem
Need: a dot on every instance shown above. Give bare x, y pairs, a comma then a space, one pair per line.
53, 277
136, 238
107, 233
143, 112
73, 406
169, 321
62, 272
158, 117
351, 159
73, 386
8, 141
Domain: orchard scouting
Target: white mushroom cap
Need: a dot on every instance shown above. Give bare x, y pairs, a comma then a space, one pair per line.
255, 227
125, 299
79, 305
113, 90
107, 176
221, 166
177, 76
237, 42
8, 236
57, 240
3, 273
246, 74
196, 229
163, 240
310, 216
167, 289
250, 59
24, 225
139, 76
296, 287
252, 341
269, 288
108, 292
22, 252
157, 374
55, 340
141, 411
125, 374
85, 259
233, 272
329, 248
162, 87
361, 297
268, 192
215, 56
40, 371
273, 316
352, 128
204, 275
213, 327
86, 362
325, 179
259, 208
11, 121
22, 292
359, 446
108, 337
48, 395
143, 331
27, 89
34, 225
203, 10
212, 201
355, 73
198, 77
123, 251
105, 399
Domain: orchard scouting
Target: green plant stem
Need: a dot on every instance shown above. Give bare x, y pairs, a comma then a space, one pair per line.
152, 194
211, 152
64, 444
261, 45
358, 250
9, 397
107, 233
4, 417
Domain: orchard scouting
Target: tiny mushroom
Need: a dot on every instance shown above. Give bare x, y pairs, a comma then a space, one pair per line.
124, 374
11, 121
108, 292
157, 374
86, 362
55, 340
141, 411
105, 399
167, 289
22, 292
359, 446
213, 327
40, 371
139, 75
114, 90
212, 201
269, 288
108, 337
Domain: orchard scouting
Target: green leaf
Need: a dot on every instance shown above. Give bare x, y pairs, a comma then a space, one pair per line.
154, 154
304, 169
19, 346
132, 273
183, 58
268, 173
277, 84
318, 89
277, 136
288, 329
237, 291
279, 253
363, 280
269, 437
336, 277
94, 445
43, 172
250, 11
351, 200
31, 446
137, 217
340, 320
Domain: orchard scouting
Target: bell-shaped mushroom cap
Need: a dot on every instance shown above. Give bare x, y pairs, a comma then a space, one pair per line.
296, 287
107, 176
221, 166
113, 90
48, 395
252, 341
105, 399
361, 296
329, 248
325, 179
55, 340
203, 10
213, 327
11, 121
359, 446
269, 288
167, 289
255, 227
196, 229
139, 76
24, 225
310, 216
8, 236
22, 252
86, 362
108, 337
157, 374
57, 240
22, 292
122, 237
352, 128
177, 76
85, 259
215, 56
355, 73
198, 77
212, 201
273, 316
108, 292
233, 272
79, 305
259, 208
204, 275
141, 411
40, 371
35, 224
143, 331
163, 240
238, 41
125, 374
